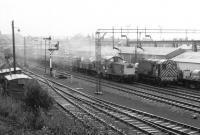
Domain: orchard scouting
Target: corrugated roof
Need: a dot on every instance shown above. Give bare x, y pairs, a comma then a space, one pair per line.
17, 76
8, 70
149, 50
189, 57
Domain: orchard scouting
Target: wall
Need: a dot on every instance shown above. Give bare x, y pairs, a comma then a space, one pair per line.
188, 66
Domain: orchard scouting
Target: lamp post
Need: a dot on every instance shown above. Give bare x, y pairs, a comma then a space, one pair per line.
25, 51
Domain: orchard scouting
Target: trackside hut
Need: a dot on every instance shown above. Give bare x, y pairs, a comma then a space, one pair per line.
14, 84
128, 53
188, 61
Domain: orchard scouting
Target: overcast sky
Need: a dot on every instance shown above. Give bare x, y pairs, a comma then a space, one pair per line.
68, 17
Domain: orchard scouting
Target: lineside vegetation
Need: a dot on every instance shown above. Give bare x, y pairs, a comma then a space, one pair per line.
37, 114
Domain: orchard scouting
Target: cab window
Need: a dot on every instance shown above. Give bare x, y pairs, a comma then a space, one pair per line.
129, 66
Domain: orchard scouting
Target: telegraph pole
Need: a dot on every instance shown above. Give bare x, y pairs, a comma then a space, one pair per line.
13, 40
45, 59
24, 51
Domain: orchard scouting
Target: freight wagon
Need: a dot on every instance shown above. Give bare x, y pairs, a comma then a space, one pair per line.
189, 69
189, 78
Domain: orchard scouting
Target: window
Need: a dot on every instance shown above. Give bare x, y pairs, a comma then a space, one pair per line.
129, 66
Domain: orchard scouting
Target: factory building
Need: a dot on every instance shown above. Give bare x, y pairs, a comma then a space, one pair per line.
129, 54
188, 61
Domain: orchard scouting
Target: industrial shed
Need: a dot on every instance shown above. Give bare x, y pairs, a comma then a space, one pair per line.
128, 53
188, 61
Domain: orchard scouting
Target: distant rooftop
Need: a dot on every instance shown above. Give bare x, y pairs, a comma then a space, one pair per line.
149, 50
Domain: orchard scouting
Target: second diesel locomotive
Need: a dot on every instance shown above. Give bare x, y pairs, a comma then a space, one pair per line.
162, 71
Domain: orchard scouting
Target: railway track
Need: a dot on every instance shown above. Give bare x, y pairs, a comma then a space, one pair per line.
137, 122
189, 102
184, 93
77, 110
187, 97
187, 90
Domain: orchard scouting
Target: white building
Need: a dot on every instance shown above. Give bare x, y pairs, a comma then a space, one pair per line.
188, 61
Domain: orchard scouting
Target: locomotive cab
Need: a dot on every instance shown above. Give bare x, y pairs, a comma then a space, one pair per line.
116, 68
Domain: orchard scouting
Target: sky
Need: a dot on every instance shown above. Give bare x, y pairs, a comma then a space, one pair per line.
70, 17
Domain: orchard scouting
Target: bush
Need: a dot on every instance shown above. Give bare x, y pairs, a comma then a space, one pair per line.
36, 97
30, 121
9, 107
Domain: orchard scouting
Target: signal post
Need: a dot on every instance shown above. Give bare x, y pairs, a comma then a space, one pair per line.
51, 49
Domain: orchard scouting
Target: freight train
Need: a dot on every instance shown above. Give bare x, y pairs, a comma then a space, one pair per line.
155, 71
158, 71
115, 68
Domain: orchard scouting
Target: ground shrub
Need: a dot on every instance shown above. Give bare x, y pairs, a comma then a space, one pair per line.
36, 97
36, 115
30, 121
9, 107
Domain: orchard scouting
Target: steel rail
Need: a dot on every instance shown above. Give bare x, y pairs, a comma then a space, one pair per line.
180, 132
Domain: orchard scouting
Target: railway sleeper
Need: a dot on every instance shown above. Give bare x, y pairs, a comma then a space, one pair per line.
108, 132
193, 133
136, 122
177, 128
183, 130
165, 124
147, 128
152, 119
171, 126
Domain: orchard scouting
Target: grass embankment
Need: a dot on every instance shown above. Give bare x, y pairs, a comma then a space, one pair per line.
37, 114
